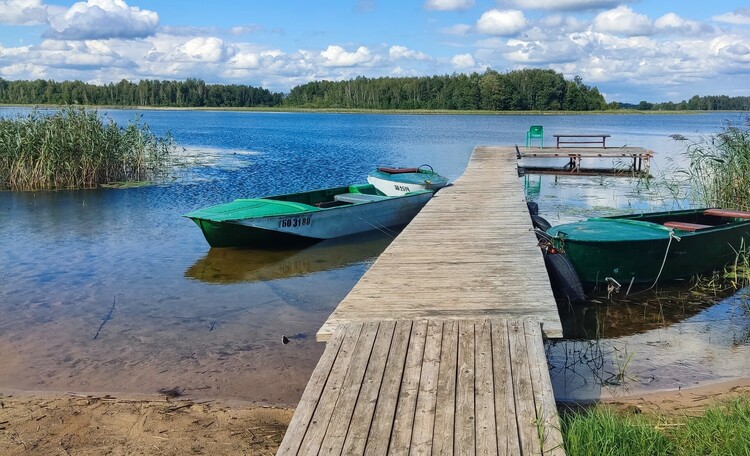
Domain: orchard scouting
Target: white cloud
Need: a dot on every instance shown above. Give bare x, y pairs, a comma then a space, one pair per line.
501, 22
448, 5
463, 61
738, 17
673, 23
203, 49
337, 56
563, 5
623, 21
102, 19
22, 12
402, 52
458, 29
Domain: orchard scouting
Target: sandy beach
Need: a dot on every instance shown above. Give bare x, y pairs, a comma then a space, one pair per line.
68, 423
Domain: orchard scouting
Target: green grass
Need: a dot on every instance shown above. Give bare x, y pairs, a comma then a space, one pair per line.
75, 148
723, 429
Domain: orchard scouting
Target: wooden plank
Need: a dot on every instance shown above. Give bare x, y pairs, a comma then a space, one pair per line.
403, 423
526, 416
544, 397
333, 441
385, 410
364, 410
484, 399
465, 432
424, 418
445, 410
505, 404
310, 397
330, 393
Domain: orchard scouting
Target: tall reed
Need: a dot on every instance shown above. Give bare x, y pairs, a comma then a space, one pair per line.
719, 171
75, 148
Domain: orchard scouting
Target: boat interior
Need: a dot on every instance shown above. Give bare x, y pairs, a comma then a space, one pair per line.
694, 220
333, 197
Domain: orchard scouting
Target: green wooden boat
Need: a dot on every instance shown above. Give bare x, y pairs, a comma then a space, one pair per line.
644, 248
303, 218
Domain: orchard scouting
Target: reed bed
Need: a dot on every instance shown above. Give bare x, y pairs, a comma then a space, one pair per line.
719, 171
76, 148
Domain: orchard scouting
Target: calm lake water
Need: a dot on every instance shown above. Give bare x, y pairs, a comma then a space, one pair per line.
113, 291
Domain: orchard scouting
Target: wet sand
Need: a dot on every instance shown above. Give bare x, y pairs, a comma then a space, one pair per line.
67, 423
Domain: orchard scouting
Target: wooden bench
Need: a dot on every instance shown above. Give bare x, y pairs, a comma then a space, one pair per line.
685, 226
581, 139
727, 213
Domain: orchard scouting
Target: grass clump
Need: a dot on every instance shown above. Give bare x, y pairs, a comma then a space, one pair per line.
723, 429
75, 148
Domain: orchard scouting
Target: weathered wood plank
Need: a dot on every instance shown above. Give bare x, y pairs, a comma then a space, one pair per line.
544, 397
526, 416
403, 423
424, 418
311, 396
465, 431
505, 404
484, 396
333, 440
445, 410
385, 410
364, 410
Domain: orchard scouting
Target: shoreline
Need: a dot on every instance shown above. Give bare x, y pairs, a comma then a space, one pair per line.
48, 422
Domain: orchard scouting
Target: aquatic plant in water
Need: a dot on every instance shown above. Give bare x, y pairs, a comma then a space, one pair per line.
75, 148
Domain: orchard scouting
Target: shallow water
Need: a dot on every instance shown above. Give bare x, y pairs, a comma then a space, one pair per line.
112, 290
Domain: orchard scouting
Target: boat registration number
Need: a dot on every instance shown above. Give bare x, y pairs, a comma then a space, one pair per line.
295, 222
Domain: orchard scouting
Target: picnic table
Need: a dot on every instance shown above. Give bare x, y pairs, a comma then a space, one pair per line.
581, 139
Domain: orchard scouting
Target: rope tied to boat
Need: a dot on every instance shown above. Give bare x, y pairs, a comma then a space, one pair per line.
664, 261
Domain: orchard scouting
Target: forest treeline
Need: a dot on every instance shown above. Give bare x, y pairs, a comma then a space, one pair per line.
519, 90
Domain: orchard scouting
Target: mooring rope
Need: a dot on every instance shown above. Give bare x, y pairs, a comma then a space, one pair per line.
383, 229
664, 262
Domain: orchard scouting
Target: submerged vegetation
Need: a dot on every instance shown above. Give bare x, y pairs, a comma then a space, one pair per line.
723, 429
75, 148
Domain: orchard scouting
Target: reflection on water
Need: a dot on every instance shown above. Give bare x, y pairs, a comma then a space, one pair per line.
228, 265
114, 291
689, 346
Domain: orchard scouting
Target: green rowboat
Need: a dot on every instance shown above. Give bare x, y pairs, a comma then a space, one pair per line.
303, 218
644, 248
400, 181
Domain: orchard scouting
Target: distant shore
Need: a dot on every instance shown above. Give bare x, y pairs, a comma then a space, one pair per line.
372, 111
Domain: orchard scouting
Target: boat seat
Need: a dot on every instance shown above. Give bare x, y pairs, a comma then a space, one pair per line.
358, 198
684, 226
727, 213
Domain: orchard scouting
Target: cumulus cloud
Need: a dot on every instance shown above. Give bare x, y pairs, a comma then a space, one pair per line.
337, 56
501, 22
402, 52
738, 17
102, 19
564, 5
673, 23
22, 12
463, 61
448, 5
623, 21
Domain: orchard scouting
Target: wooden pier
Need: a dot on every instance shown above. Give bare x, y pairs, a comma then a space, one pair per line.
438, 349
638, 160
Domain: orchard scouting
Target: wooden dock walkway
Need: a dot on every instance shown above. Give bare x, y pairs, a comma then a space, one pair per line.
638, 157
470, 253
438, 349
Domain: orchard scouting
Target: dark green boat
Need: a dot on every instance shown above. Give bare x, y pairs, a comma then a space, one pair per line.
644, 248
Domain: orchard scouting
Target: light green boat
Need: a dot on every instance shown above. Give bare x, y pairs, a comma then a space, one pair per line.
302, 218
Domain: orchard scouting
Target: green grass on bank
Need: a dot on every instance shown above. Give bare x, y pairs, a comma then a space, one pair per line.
723, 429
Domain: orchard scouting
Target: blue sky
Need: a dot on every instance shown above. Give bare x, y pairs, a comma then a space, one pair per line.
631, 50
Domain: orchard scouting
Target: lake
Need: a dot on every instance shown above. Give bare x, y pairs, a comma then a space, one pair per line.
112, 290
